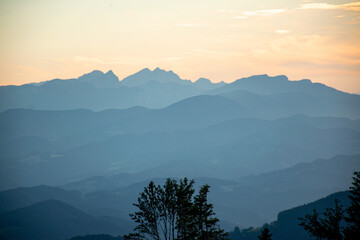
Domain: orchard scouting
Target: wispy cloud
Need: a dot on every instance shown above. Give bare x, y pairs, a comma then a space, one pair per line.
80, 59
226, 11
240, 17
171, 58
353, 6
217, 53
191, 25
265, 12
86, 59
282, 31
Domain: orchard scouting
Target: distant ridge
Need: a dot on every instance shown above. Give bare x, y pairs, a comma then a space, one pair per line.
60, 220
286, 226
100, 80
157, 75
265, 84
159, 88
99, 91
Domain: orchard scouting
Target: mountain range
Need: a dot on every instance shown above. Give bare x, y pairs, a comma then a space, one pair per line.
84, 148
237, 202
60, 220
159, 88
227, 150
286, 226
100, 91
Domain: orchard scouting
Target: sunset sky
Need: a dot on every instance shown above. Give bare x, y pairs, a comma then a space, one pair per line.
222, 40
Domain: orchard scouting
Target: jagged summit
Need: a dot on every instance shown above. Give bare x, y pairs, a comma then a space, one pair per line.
157, 75
155, 88
100, 79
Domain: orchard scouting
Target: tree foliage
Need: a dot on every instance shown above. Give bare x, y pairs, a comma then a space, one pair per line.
207, 227
330, 225
327, 227
172, 212
352, 230
265, 234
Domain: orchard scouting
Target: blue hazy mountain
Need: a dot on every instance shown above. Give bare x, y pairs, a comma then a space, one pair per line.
253, 139
241, 202
284, 104
22, 197
275, 97
52, 219
214, 141
25, 145
264, 85
104, 208
100, 80
269, 97
95, 78
77, 127
99, 91
84, 126
206, 84
146, 76
51, 125
237, 202
286, 226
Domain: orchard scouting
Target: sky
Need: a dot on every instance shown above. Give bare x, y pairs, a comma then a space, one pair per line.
222, 40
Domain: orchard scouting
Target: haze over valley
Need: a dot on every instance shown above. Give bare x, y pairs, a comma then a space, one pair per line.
89, 145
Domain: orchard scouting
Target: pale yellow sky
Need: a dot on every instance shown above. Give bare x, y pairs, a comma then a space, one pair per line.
222, 40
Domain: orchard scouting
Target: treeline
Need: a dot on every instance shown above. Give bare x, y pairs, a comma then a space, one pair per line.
174, 212
336, 217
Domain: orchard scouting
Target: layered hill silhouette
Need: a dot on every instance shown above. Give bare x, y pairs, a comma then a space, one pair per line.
57, 220
99, 91
286, 226
160, 88
52, 219
237, 202
172, 147
100, 139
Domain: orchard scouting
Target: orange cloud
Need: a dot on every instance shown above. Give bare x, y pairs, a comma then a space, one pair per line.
354, 6
265, 12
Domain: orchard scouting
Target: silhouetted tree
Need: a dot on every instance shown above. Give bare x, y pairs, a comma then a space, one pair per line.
207, 224
265, 234
185, 222
148, 216
330, 226
352, 230
171, 212
236, 234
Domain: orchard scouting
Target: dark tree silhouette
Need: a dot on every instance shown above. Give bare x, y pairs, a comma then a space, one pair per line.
331, 226
171, 212
328, 227
148, 216
265, 234
185, 222
207, 224
352, 230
